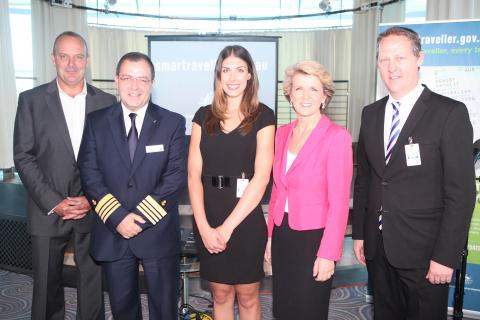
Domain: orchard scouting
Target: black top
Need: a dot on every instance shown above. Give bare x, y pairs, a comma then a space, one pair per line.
230, 155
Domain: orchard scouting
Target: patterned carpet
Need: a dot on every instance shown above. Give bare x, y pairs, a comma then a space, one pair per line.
16, 294
347, 303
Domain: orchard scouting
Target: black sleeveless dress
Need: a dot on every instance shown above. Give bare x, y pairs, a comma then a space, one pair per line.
230, 155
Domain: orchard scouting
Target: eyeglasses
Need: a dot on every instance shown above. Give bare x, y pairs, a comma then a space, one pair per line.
130, 80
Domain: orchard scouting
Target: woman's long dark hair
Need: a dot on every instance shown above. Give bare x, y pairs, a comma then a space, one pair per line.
249, 107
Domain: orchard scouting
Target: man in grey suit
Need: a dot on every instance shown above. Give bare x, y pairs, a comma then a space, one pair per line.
48, 131
414, 191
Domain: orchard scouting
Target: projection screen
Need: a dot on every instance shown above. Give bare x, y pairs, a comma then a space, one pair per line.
184, 69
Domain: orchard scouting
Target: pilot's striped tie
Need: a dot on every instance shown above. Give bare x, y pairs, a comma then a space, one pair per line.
394, 130
132, 136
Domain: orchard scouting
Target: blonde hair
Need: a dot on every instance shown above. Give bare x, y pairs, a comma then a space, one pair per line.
312, 68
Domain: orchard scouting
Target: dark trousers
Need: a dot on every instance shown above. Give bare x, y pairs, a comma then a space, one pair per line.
162, 276
48, 297
404, 294
296, 294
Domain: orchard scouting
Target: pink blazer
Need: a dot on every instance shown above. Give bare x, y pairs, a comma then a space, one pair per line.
317, 184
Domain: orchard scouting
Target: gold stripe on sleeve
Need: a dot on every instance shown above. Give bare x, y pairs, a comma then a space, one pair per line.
109, 212
157, 207
106, 206
147, 212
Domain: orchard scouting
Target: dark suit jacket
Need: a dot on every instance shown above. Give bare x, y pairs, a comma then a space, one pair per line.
427, 208
44, 156
149, 186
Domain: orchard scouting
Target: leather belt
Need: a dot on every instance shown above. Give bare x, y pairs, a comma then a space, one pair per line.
218, 182
221, 182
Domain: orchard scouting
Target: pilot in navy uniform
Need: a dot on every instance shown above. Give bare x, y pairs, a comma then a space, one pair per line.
133, 164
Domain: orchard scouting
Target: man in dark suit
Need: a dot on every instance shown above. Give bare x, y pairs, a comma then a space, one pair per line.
48, 131
414, 191
133, 165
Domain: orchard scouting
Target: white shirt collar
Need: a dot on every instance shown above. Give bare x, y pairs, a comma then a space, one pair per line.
410, 98
138, 120
74, 113
82, 93
406, 105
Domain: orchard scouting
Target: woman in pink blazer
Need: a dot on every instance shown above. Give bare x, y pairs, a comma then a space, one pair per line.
308, 209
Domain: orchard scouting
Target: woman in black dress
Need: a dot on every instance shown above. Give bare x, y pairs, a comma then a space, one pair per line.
229, 165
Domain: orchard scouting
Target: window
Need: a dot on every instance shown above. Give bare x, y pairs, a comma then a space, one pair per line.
219, 15
21, 35
415, 11
187, 15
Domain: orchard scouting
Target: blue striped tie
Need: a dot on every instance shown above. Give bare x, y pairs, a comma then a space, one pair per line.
394, 131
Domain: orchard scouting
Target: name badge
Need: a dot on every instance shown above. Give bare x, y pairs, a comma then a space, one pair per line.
242, 184
412, 154
154, 148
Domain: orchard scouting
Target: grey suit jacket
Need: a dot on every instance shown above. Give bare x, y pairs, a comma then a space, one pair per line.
426, 208
44, 157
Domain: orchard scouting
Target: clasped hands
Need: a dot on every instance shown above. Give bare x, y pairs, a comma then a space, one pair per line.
72, 208
215, 239
128, 227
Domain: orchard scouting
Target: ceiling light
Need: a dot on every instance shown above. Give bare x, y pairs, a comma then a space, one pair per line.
325, 5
